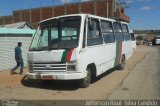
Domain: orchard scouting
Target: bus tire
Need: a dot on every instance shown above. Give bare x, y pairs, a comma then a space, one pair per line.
84, 83
122, 65
46, 82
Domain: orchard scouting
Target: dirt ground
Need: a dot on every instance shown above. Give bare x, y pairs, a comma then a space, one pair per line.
17, 87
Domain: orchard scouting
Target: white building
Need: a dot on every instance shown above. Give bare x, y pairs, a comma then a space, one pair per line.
9, 38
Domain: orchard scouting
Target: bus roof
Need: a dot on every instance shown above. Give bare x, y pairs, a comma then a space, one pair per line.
158, 36
83, 15
130, 31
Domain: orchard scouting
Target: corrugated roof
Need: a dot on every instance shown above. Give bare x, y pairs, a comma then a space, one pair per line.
16, 31
16, 25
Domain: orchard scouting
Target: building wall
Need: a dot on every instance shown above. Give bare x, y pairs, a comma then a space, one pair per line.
1, 20
46, 12
98, 7
72, 9
60, 10
8, 42
26, 16
8, 19
88, 7
36, 15
16, 17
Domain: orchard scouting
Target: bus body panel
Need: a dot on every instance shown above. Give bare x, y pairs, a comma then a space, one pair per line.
92, 56
56, 75
103, 56
127, 48
49, 56
134, 46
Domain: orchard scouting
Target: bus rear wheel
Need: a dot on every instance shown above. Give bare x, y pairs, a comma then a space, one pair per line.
87, 80
122, 65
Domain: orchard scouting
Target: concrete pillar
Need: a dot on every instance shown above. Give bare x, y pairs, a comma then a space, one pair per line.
53, 11
12, 19
30, 16
3, 21
41, 14
107, 7
80, 7
20, 15
65, 8
95, 7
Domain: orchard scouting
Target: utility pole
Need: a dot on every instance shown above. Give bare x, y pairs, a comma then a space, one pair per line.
41, 10
95, 7
107, 8
65, 5
53, 8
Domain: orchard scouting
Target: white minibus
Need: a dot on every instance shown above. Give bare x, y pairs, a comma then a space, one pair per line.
157, 40
78, 47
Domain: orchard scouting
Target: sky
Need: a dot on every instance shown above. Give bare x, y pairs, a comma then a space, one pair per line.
144, 14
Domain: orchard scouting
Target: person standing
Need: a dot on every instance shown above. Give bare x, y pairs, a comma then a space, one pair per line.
18, 58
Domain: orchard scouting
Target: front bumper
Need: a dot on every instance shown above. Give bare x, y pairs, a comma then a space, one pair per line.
57, 76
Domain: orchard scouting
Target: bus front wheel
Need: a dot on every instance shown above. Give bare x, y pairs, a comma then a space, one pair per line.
87, 80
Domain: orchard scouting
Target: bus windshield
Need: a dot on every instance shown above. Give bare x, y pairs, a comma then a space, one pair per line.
59, 33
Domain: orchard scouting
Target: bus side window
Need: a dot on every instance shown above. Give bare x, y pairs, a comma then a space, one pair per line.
118, 31
107, 31
94, 36
132, 37
125, 32
54, 35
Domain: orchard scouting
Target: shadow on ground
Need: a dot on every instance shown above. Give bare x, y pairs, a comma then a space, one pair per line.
52, 85
67, 85
105, 74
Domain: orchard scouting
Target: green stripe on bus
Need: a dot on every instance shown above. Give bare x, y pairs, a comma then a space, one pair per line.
63, 58
117, 53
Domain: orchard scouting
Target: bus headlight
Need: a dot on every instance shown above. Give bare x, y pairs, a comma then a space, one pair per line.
30, 67
71, 66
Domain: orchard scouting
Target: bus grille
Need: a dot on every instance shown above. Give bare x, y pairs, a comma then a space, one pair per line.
49, 67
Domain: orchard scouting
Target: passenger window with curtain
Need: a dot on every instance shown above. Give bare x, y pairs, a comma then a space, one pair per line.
118, 31
44, 38
94, 36
107, 32
125, 32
